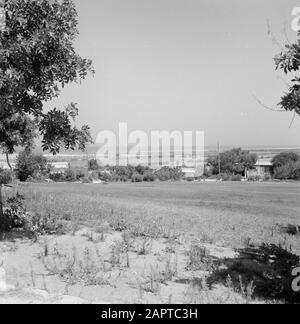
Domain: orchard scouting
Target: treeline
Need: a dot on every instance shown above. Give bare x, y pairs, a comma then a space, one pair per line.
234, 165
133, 173
32, 167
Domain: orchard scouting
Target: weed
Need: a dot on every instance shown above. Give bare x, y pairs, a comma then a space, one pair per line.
199, 259
144, 246
118, 222
205, 238
247, 242
171, 269
247, 291
93, 237
153, 285
87, 270
32, 276
116, 254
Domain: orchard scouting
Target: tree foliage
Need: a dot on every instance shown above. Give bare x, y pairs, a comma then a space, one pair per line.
31, 165
287, 166
37, 58
233, 162
284, 158
289, 62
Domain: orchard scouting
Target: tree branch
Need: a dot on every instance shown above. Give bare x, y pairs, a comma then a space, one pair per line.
266, 107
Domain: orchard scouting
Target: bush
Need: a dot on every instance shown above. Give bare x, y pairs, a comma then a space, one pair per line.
105, 176
86, 180
254, 178
5, 177
93, 165
70, 175
31, 165
79, 175
42, 222
149, 176
167, 174
45, 224
236, 177
14, 213
285, 158
288, 171
225, 177
94, 175
136, 177
207, 172
58, 177
267, 177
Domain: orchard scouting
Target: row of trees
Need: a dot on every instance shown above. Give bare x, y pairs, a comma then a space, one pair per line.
35, 167
234, 164
134, 173
231, 165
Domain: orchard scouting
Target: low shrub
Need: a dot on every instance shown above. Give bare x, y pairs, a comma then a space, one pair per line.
70, 175
267, 177
226, 177
105, 176
58, 177
94, 175
236, 177
136, 177
45, 223
254, 178
169, 174
149, 176
5, 176
14, 214
87, 180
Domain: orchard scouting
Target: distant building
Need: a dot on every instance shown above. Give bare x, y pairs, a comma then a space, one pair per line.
263, 167
192, 173
59, 166
189, 173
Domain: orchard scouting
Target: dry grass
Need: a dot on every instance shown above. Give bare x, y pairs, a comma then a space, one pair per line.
164, 230
226, 214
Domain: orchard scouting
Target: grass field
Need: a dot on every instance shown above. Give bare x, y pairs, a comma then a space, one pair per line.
154, 243
225, 213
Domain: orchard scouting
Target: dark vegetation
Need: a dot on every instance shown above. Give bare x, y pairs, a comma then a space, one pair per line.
267, 269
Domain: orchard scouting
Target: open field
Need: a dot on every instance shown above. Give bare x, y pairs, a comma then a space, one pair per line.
148, 243
227, 213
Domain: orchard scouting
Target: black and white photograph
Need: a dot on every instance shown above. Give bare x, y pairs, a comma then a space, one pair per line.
149, 155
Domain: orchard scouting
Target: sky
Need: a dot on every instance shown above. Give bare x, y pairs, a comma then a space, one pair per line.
187, 65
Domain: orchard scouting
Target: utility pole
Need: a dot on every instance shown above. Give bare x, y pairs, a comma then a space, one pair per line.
219, 159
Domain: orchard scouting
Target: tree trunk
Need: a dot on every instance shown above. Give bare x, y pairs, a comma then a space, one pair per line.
1, 211
8, 162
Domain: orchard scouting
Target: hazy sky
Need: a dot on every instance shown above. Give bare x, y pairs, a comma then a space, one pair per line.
185, 65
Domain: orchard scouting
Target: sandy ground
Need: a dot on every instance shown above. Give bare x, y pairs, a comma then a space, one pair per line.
48, 271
